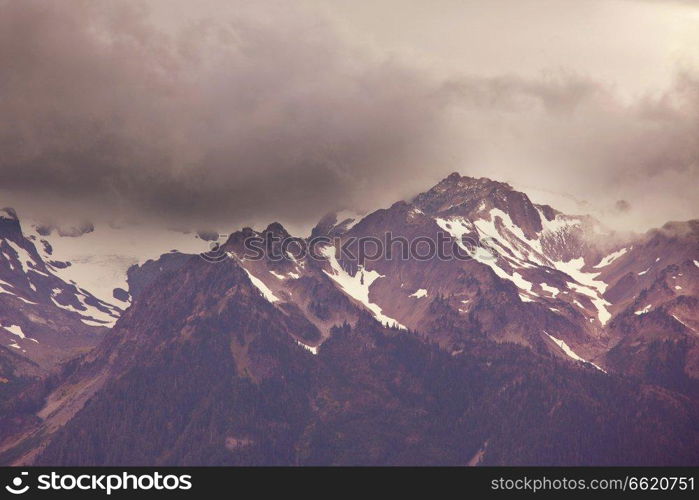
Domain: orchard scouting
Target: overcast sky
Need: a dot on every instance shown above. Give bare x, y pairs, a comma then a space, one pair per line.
220, 113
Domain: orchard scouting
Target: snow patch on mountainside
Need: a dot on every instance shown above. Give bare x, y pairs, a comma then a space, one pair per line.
457, 227
569, 352
552, 290
600, 304
282, 277
357, 286
523, 252
5, 287
15, 330
25, 259
683, 323
611, 258
264, 289
514, 239
573, 268
421, 292
313, 350
90, 315
586, 284
643, 311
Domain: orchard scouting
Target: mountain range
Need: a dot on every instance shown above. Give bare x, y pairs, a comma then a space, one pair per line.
552, 340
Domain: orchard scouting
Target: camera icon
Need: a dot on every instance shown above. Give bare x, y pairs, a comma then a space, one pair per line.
16, 487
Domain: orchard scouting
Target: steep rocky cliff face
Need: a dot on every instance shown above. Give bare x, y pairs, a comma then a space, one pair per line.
44, 320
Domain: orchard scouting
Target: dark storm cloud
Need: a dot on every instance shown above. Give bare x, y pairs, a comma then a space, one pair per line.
221, 119
267, 115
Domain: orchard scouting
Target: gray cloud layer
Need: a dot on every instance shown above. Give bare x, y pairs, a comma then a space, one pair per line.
573, 135
267, 115
222, 119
